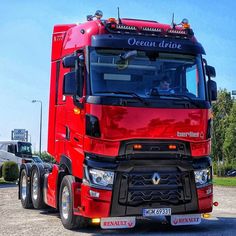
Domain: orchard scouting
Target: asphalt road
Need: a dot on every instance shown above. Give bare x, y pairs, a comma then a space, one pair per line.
14, 220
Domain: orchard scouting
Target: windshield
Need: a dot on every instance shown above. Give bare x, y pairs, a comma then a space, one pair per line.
24, 148
152, 75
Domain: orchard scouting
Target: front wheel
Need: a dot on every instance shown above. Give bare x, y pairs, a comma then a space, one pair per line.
69, 220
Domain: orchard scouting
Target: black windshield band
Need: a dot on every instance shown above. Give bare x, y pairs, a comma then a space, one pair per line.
157, 103
147, 43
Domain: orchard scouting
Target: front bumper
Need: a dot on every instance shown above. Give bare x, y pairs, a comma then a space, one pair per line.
133, 189
93, 207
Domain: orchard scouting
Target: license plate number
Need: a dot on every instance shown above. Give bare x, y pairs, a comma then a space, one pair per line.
157, 212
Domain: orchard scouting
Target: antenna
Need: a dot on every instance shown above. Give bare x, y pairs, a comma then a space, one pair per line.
173, 23
118, 12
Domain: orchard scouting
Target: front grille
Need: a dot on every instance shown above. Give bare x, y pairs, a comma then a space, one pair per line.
149, 183
145, 179
161, 196
169, 191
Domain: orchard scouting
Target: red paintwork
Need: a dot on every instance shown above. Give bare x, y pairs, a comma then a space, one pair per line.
205, 199
95, 207
58, 37
199, 149
76, 191
147, 123
116, 123
52, 187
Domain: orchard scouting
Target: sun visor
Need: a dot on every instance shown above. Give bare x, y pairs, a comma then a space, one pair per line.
147, 43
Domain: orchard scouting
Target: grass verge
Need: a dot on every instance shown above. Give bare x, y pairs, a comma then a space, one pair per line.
2, 181
225, 181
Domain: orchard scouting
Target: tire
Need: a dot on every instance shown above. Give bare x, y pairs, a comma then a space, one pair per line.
37, 190
24, 189
168, 219
1, 171
68, 219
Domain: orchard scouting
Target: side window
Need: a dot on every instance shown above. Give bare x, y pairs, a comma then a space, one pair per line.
191, 83
11, 148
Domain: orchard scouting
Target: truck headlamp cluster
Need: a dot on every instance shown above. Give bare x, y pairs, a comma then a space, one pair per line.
203, 177
101, 177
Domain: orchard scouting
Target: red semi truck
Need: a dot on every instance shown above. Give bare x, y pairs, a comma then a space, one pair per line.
129, 125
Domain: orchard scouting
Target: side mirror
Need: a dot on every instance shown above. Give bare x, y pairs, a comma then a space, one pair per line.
69, 61
210, 71
69, 84
212, 88
73, 81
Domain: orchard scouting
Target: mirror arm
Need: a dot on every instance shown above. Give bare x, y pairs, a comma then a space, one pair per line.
208, 80
79, 67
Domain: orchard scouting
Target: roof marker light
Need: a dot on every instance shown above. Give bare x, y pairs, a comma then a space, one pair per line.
112, 20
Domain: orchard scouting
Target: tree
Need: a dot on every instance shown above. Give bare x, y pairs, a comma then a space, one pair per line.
229, 146
221, 112
46, 157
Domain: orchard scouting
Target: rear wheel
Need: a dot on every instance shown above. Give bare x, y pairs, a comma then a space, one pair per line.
69, 220
25, 190
36, 190
168, 219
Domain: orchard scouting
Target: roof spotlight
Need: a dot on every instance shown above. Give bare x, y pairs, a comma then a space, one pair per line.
98, 14
184, 21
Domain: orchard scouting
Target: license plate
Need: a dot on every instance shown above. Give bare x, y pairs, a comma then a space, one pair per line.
191, 219
157, 212
118, 222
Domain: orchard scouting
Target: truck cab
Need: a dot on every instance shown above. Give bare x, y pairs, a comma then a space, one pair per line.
125, 147
17, 151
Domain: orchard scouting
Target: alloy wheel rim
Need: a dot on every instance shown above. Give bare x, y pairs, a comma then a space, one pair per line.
65, 202
23, 187
35, 186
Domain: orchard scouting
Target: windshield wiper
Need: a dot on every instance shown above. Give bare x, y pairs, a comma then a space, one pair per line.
181, 96
134, 95
128, 54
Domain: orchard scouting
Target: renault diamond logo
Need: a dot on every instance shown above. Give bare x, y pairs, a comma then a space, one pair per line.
156, 178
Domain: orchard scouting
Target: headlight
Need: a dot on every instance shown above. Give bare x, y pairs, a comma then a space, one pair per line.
202, 177
101, 177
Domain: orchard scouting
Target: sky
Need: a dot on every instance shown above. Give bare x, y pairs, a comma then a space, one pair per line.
25, 47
